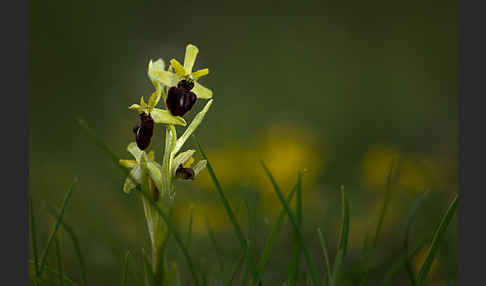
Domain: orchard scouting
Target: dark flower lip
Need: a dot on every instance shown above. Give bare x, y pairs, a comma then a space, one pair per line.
187, 85
144, 131
185, 173
179, 100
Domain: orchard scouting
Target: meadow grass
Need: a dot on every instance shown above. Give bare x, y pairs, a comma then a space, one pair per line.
250, 266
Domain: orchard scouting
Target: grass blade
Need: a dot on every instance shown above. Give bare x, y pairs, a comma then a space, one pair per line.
33, 237
175, 233
59, 262
166, 219
69, 230
411, 218
149, 275
294, 270
386, 201
65, 202
189, 226
239, 232
326, 257
55, 272
343, 240
398, 263
237, 267
438, 236
391, 178
248, 264
271, 239
365, 257
125, 269
214, 241
293, 219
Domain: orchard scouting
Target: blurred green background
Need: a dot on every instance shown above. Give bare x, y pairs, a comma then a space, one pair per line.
337, 87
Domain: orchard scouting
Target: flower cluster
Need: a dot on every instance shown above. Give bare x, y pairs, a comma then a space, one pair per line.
179, 88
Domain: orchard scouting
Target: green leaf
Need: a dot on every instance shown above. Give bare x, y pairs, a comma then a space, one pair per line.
237, 266
326, 257
163, 116
386, 201
271, 238
59, 261
169, 223
343, 241
398, 264
294, 269
217, 247
69, 230
55, 272
202, 91
411, 218
65, 202
172, 276
191, 128
189, 226
438, 237
222, 196
125, 269
293, 219
149, 275
190, 57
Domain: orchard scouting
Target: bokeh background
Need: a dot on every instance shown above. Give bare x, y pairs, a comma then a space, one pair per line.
339, 88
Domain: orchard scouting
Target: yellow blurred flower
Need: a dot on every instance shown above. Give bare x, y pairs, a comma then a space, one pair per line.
231, 164
412, 176
215, 213
376, 165
287, 150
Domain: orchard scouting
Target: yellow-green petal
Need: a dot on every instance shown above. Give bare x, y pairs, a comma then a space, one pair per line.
179, 69
199, 167
200, 73
201, 91
154, 68
142, 102
151, 155
154, 99
156, 175
134, 150
190, 57
137, 107
136, 174
128, 163
167, 78
181, 159
164, 117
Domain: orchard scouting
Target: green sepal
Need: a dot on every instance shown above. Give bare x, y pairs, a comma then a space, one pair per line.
163, 116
